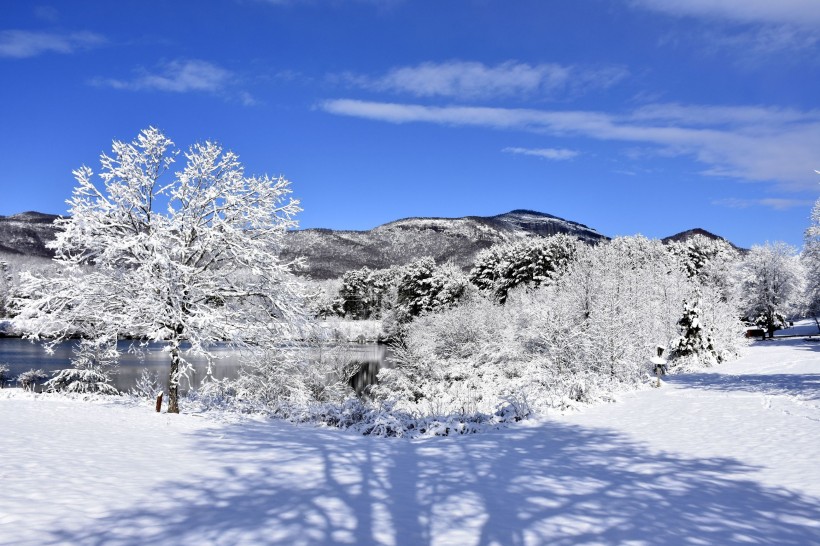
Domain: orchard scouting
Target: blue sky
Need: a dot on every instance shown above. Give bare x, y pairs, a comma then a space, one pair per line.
633, 116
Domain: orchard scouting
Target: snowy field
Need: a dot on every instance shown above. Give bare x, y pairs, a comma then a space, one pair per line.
718, 458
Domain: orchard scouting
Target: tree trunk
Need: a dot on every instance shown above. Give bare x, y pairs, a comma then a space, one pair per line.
173, 379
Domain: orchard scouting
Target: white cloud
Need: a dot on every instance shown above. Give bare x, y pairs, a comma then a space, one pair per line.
793, 12
556, 154
472, 80
180, 76
765, 39
750, 143
21, 44
775, 203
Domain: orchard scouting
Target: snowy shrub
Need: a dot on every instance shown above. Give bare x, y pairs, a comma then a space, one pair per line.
28, 380
93, 363
4, 375
535, 261
288, 381
148, 385
81, 380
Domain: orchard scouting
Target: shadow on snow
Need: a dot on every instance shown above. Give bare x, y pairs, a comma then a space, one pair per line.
539, 483
804, 386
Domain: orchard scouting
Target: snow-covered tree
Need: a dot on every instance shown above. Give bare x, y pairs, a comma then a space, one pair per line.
536, 261
577, 339
365, 293
185, 257
5, 290
811, 261
693, 341
423, 286
708, 261
771, 284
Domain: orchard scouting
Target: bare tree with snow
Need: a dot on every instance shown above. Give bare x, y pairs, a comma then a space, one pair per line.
811, 260
185, 257
771, 285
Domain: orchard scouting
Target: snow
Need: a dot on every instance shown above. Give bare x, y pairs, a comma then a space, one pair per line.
723, 457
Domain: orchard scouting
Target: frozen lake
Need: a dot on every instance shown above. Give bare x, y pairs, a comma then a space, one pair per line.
22, 355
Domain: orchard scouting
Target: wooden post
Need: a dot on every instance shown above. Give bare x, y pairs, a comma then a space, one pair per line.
159, 402
660, 364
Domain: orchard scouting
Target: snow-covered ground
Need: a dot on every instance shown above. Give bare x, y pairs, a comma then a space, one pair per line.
725, 457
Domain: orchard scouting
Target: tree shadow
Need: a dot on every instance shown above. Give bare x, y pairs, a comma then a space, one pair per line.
804, 386
802, 343
538, 483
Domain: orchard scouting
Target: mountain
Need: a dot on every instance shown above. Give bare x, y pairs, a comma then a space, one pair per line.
330, 253
684, 236
27, 233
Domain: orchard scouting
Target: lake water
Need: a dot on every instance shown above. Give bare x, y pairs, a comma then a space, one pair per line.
22, 355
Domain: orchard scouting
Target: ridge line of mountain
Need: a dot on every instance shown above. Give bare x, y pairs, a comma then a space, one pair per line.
329, 252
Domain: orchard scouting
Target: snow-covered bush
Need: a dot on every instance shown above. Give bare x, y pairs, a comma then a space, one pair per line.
28, 380
93, 365
147, 385
288, 381
81, 380
502, 267
4, 375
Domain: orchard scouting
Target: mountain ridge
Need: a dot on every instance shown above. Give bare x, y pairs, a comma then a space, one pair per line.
329, 253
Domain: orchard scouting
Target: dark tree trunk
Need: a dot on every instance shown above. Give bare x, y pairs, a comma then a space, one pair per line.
173, 379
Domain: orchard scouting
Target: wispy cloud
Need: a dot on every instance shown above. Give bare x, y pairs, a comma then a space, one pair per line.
20, 44
750, 143
184, 76
775, 203
555, 154
474, 80
764, 39
179, 76
752, 29
793, 12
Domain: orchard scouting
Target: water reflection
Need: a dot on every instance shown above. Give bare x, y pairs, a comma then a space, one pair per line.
22, 355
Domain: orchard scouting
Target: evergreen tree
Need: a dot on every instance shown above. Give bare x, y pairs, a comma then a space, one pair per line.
533, 262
